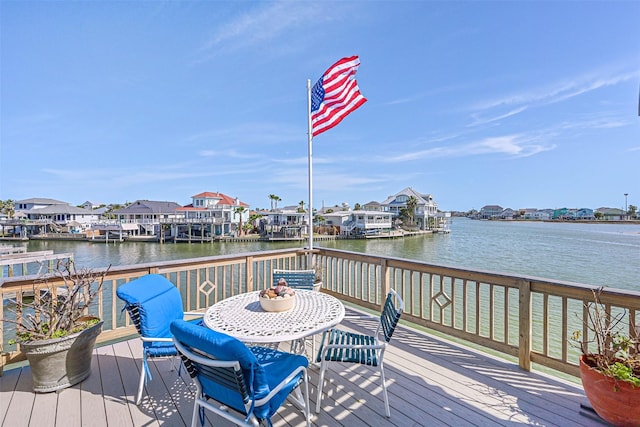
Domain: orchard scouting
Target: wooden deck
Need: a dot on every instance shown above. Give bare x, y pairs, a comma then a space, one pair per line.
431, 382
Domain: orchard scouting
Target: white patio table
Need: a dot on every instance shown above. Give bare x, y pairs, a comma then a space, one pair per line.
242, 317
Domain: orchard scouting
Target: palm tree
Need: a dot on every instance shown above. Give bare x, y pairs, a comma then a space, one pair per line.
239, 210
301, 206
7, 207
412, 204
404, 216
253, 218
274, 201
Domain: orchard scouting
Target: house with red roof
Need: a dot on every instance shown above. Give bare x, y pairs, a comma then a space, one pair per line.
222, 213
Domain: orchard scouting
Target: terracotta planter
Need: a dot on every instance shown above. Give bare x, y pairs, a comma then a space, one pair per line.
616, 402
61, 362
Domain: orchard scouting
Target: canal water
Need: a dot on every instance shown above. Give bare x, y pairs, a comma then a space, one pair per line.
597, 254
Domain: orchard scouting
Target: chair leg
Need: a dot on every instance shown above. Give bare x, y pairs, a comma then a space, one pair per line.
143, 374
323, 368
313, 346
307, 410
195, 422
384, 391
301, 399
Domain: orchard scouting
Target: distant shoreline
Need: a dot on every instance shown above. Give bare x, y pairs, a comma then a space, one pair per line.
568, 221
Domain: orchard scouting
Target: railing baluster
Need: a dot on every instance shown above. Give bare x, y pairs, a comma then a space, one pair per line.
465, 308
564, 330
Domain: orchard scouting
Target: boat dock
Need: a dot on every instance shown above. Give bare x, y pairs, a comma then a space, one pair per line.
16, 261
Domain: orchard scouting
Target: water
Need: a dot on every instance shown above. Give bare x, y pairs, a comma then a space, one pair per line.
597, 254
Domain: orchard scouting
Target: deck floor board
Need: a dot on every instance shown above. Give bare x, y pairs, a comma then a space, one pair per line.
430, 382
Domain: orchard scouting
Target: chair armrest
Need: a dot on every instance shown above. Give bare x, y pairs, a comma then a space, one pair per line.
361, 316
194, 313
147, 339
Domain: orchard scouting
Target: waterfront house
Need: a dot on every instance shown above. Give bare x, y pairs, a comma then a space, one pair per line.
543, 214
537, 214
211, 214
91, 205
490, 212
359, 222
59, 217
43, 215
285, 222
563, 213
426, 207
585, 214
611, 214
507, 213
373, 206
338, 222
147, 215
35, 203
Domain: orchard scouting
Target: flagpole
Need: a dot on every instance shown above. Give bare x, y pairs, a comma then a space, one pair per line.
310, 207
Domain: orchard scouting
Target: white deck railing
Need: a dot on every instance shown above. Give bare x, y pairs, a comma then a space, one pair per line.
526, 317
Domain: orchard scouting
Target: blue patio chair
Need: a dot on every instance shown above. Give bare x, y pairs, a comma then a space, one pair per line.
152, 302
349, 347
244, 385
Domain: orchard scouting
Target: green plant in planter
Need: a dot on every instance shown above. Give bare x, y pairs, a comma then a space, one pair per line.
57, 311
55, 330
610, 364
615, 354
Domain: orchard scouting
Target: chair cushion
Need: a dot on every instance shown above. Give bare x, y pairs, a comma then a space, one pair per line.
278, 365
223, 347
158, 302
262, 368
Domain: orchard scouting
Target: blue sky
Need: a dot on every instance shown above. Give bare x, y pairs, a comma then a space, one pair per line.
521, 104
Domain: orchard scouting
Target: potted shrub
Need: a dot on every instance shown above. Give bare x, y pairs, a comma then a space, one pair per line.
54, 330
610, 365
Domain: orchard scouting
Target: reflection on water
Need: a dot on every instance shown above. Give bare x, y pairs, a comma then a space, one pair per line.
598, 254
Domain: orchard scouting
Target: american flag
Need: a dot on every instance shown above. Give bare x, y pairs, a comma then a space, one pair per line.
335, 95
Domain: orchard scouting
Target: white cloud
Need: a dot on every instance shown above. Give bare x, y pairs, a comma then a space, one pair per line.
234, 154
264, 24
481, 121
560, 91
511, 145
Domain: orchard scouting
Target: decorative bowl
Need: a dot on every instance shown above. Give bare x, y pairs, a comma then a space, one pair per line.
277, 304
